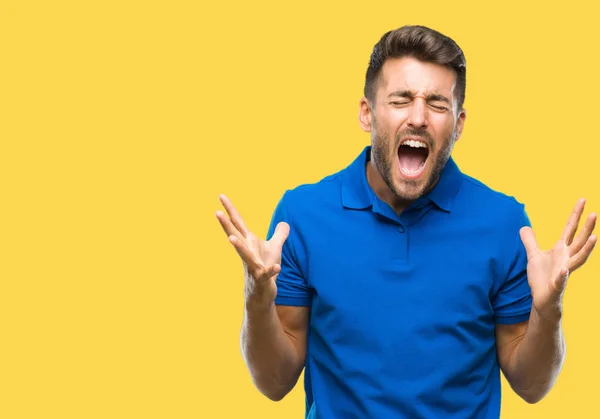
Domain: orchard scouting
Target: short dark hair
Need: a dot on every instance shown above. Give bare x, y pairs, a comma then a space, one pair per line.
423, 44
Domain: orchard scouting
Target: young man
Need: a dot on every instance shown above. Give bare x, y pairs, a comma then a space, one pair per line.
402, 285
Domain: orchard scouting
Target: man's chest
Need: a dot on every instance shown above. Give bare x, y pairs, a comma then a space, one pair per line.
403, 280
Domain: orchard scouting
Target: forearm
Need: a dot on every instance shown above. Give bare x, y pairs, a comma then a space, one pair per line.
271, 357
538, 357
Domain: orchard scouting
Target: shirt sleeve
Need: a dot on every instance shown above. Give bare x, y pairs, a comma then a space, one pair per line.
512, 302
292, 288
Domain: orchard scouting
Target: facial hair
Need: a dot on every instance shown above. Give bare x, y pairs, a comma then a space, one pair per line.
380, 154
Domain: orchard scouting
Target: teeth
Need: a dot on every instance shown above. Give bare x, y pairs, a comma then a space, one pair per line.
415, 144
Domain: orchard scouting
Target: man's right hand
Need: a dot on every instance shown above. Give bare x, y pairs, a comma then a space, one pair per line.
261, 259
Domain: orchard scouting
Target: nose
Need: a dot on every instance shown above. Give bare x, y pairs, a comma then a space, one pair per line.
417, 117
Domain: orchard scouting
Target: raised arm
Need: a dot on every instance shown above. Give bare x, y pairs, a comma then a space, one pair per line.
273, 338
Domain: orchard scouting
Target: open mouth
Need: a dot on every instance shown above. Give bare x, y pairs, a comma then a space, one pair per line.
412, 156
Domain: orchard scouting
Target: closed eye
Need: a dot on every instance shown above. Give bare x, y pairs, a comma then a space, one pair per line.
440, 108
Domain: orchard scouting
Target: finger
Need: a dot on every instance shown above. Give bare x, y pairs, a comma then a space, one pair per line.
581, 257
236, 219
584, 235
282, 231
571, 227
561, 280
256, 269
269, 272
529, 241
247, 255
227, 226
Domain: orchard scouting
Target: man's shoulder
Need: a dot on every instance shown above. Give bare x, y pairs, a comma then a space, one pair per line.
301, 205
310, 193
480, 196
327, 190
322, 186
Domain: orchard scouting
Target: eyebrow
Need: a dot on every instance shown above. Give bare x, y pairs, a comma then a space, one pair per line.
409, 95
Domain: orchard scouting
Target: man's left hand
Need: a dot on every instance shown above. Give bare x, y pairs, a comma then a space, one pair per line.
549, 270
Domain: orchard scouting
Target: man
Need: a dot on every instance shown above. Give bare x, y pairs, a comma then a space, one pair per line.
400, 284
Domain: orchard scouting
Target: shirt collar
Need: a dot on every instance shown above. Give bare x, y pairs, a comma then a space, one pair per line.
445, 190
357, 194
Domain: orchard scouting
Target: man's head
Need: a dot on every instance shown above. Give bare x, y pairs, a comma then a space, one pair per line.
413, 107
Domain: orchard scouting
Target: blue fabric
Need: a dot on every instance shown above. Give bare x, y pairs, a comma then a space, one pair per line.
403, 308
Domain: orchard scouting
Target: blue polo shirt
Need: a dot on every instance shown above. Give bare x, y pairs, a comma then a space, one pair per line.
403, 308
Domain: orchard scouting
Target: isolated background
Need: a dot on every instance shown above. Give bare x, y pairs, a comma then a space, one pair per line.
122, 121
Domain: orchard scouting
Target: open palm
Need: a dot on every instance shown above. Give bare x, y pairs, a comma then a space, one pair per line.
261, 258
548, 270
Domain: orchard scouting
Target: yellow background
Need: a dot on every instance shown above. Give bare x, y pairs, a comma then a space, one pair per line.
122, 121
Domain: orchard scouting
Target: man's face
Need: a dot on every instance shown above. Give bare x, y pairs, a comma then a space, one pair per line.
414, 123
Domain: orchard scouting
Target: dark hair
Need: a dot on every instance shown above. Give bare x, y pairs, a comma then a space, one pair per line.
423, 44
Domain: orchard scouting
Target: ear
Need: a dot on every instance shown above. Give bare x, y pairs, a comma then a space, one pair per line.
460, 123
365, 114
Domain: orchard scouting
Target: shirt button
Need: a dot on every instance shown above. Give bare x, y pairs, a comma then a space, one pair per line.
401, 229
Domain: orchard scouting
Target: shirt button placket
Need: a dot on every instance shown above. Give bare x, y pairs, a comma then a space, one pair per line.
401, 253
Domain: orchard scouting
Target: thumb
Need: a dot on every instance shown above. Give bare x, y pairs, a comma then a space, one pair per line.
562, 278
529, 241
282, 231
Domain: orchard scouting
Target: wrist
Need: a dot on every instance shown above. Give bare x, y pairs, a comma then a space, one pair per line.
258, 304
549, 315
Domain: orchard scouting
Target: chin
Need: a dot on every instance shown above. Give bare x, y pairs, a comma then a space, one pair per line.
408, 193
413, 187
